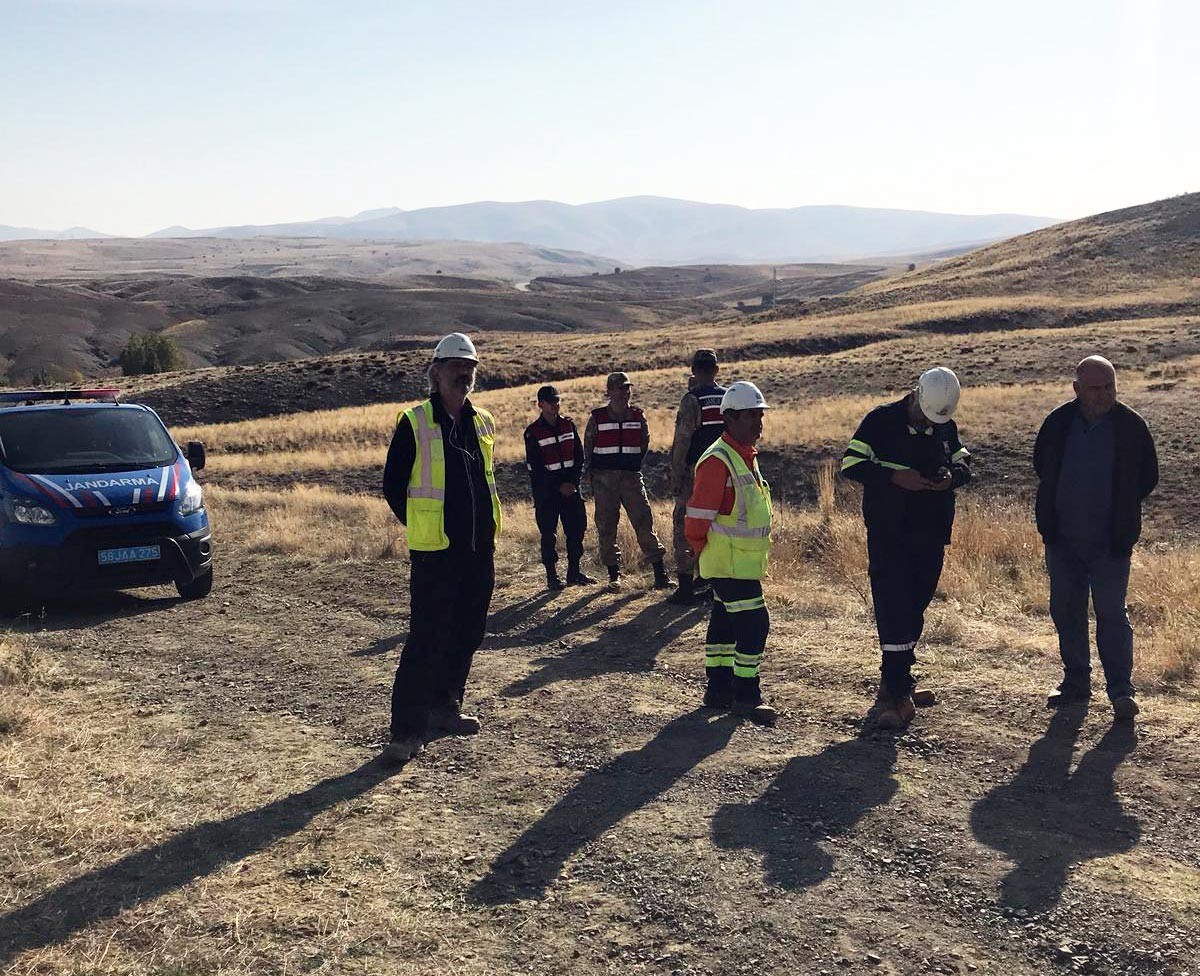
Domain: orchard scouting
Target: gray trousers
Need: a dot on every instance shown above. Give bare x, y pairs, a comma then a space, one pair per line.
1106, 578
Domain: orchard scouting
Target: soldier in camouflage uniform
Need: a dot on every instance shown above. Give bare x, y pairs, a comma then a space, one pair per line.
698, 423
614, 445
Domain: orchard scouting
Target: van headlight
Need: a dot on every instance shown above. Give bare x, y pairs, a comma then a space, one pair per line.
30, 513
193, 499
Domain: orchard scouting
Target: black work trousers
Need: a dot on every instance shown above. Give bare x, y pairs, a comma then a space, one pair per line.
449, 596
736, 640
551, 507
904, 575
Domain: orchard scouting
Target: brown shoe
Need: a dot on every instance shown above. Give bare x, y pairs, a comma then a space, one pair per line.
760, 713
1124, 709
898, 713
449, 719
401, 750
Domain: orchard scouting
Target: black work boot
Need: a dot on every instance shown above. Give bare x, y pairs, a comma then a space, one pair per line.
686, 594
661, 580
748, 702
614, 573
719, 693
575, 575
552, 580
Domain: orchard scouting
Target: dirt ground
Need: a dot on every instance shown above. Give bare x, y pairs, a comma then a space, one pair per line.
213, 806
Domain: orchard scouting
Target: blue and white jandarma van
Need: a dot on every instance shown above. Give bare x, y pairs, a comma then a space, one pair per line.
94, 494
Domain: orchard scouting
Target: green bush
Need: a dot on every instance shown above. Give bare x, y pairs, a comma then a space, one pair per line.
150, 352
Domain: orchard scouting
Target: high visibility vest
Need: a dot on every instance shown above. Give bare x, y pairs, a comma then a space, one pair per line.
738, 543
426, 508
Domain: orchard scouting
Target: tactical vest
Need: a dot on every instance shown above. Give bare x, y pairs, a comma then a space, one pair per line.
712, 424
618, 442
738, 543
426, 509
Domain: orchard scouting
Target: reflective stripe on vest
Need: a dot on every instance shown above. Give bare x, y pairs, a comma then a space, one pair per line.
558, 447
712, 423
618, 442
738, 543
426, 509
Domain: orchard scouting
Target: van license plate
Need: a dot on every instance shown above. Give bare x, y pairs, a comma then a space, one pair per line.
132, 554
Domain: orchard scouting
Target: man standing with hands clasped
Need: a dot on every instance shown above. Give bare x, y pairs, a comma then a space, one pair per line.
554, 457
908, 458
1096, 464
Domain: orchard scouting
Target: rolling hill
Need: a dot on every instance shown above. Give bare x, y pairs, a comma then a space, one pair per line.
1136, 249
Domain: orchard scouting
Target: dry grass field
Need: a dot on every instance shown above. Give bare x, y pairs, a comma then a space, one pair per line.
188, 788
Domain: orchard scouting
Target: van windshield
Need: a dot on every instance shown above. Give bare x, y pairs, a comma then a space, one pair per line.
82, 440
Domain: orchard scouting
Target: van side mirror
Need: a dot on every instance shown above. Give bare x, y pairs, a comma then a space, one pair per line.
195, 454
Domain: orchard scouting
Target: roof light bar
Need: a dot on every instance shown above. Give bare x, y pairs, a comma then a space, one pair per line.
106, 394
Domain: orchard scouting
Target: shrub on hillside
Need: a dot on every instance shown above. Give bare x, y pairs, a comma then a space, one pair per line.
150, 352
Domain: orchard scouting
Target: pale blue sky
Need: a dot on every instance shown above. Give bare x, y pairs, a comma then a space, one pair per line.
129, 115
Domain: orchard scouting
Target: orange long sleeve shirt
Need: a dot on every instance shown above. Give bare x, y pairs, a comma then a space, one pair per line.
712, 494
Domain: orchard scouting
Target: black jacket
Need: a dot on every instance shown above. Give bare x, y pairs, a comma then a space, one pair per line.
469, 522
1135, 472
886, 440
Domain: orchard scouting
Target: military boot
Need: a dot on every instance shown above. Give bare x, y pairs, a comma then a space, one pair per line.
661, 580
575, 575
614, 574
686, 594
552, 580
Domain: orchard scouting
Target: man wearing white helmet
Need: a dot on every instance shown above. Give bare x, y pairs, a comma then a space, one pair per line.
440, 482
909, 460
728, 526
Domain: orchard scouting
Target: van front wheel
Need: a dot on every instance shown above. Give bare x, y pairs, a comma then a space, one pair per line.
198, 588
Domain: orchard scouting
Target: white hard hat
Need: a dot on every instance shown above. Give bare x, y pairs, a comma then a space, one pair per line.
743, 396
455, 346
937, 394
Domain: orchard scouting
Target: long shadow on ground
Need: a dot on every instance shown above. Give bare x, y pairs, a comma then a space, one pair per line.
630, 647
1049, 819
509, 616
598, 802
154, 871
566, 620
812, 797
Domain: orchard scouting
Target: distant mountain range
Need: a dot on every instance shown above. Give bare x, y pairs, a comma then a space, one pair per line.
33, 234
653, 230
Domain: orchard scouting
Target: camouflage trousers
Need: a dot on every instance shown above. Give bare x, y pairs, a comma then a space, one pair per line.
685, 559
612, 491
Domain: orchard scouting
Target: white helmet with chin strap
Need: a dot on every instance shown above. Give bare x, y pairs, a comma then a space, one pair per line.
455, 346
937, 394
743, 396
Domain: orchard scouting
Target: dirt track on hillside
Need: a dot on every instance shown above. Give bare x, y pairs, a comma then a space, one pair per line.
603, 823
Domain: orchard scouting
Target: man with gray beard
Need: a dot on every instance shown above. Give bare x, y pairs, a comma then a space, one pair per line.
440, 483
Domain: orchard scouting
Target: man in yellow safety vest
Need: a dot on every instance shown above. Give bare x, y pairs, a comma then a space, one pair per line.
728, 525
440, 482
